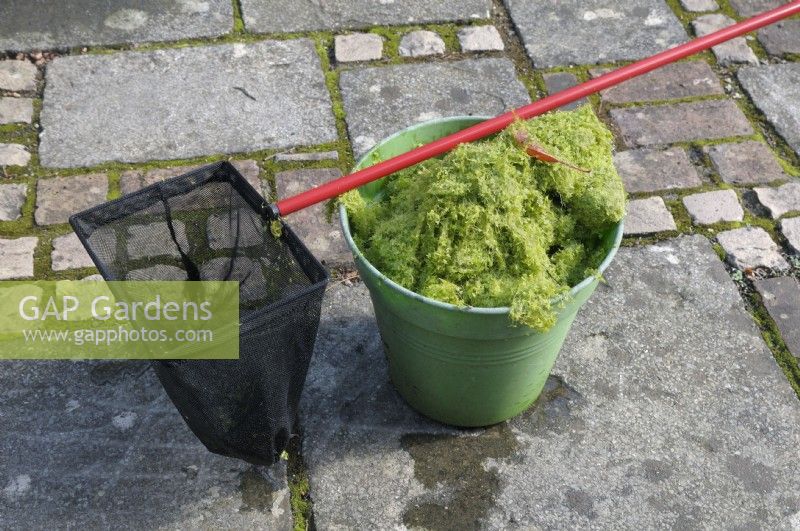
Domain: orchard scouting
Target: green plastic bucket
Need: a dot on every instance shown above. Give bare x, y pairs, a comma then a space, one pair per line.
460, 366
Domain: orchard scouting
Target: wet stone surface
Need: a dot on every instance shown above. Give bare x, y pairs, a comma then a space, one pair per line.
590, 32
664, 385
26, 25
680, 122
773, 89
104, 447
647, 216
678, 80
781, 296
648, 170
381, 101
747, 162
219, 99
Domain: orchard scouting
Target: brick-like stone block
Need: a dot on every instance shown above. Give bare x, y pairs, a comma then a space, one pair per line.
780, 200
12, 197
14, 155
697, 6
358, 47
58, 198
748, 8
773, 88
421, 43
781, 296
480, 39
744, 163
678, 80
17, 76
16, 258
680, 122
648, 170
69, 253
324, 239
133, 180
781, 38
558, 81
790, 227
16, 110
305, 157
708, 208
751, 247
732, 51
647, 216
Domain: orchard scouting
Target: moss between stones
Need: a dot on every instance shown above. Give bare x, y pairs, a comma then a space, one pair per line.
487, 225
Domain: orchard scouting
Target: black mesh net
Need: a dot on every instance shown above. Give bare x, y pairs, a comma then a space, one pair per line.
210, 224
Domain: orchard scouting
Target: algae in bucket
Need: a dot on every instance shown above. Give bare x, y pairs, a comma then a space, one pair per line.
465, 366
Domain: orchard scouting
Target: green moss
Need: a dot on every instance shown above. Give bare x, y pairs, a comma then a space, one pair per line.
487, 225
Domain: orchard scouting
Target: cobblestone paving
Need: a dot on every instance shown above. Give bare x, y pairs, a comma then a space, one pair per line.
108, 99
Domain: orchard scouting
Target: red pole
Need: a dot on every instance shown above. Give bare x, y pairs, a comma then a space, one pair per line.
341, 185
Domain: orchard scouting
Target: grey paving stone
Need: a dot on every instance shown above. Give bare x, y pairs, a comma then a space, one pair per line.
155, 239
69, 253
133, 180
157, 272
732, 51
241, 228
780, 200
421, 43
781, 38
14, 155
12, 197
647, 216
98, 444
790, 228
678, 80
480, 39
708, 208
16, 258
781, 296
680, 122
223, 98
748, 8
358, 47
18, 76
302, 157
290, 15
26, 25
16, 110
751, 247
747, 162
324, 239
618, 439
589, 32
558, 81
382, 101
772, 89
648, 170
248, 272
699, 5
58, 198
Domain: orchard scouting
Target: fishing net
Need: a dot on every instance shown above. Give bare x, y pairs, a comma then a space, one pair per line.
210, 224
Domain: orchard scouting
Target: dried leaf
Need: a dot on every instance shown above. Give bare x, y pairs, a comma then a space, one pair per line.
536, 151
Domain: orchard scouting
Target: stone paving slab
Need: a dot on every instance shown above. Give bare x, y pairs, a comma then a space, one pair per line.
773, 90
12, 198
58, 198
132, 180
680, 122
382, 101
790, 227
267, 16
781, 38
678, 80
26, 25
186, 102
18, 75
747, 162
480, 39
557, 81
14, 155
69, 253
420, 43
781, 296
594, 31
699, 5
16, 110
648, 170
324, 239
648, 216
97, 444
748, 8
16, 258
665, 410
732, 51
751, 247
780, 200
717, 206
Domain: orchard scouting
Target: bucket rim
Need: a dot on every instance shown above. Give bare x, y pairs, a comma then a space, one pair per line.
479, 310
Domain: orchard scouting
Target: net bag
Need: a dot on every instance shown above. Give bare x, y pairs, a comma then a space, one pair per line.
210, 224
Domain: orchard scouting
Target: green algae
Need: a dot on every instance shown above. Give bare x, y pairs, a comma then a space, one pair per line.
487, 225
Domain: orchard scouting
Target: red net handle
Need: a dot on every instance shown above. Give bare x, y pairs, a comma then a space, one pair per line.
341, 185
